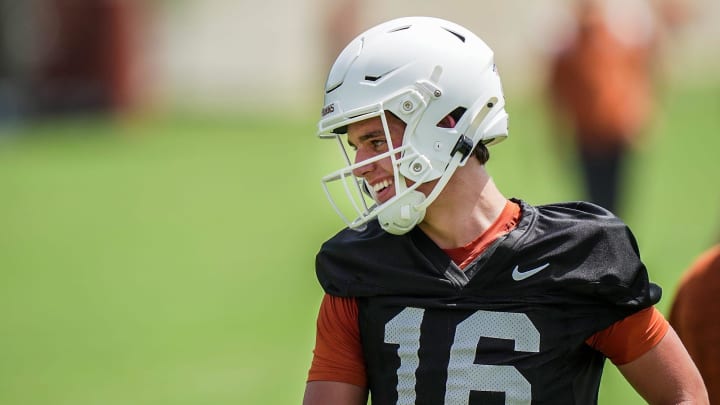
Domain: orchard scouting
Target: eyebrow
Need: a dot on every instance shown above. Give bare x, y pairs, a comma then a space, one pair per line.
363, 138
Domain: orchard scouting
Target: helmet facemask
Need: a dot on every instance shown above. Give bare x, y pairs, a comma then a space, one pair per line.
405, 208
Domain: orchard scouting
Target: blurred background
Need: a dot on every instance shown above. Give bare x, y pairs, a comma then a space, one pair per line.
160, 202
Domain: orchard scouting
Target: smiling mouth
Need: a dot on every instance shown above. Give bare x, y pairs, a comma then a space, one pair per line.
381, 190
378, 187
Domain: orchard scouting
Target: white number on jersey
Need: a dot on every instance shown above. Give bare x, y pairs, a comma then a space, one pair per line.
464, 375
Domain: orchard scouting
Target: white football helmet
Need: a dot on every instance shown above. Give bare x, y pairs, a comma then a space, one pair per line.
421, 69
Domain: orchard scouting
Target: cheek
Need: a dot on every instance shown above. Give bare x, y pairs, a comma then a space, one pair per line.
425, 188
386, 164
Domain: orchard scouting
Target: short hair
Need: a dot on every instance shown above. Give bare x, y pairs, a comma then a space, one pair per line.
482, 153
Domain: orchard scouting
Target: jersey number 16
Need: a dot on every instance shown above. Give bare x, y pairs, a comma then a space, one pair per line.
463, 374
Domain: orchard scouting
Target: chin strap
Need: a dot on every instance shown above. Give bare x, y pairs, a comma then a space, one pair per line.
404, 214
409, 210
455, 161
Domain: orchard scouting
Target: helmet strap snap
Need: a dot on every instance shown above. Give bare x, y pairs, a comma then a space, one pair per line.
464, 145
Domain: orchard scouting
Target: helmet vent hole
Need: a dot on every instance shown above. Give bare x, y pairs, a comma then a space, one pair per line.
399, 28
450, 120
330, 90
458, 113
460, 37
372, 78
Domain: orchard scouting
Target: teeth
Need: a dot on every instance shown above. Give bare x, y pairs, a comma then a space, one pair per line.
381, 185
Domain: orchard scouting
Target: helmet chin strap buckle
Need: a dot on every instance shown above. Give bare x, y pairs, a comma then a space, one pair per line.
401, 216
464, 145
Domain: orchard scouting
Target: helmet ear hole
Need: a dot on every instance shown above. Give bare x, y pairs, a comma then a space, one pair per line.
450, 120
447, 122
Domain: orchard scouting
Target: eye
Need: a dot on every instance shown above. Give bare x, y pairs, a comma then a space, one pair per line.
378, 144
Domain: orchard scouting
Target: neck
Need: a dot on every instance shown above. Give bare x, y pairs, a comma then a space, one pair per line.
468, 205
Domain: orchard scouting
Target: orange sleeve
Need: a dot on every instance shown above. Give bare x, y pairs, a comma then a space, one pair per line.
338, 352
631, 337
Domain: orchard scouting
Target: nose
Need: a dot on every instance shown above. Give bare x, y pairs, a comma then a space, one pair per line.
362, 170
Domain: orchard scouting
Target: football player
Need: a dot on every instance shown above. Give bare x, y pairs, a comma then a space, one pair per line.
443, 291
694, 314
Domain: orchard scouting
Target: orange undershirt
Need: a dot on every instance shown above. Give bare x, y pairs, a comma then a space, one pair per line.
338, 350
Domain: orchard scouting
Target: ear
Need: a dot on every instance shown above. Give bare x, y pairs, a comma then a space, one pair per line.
447, 122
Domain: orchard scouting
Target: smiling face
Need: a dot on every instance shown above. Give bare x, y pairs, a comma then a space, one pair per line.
368, 140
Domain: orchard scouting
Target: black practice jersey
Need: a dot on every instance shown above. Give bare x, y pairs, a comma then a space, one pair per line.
510, 328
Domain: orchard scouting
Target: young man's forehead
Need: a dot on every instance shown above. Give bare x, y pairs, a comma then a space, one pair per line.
375, 122
370, 124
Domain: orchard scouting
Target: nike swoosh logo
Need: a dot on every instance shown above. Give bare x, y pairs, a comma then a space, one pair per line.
518, 275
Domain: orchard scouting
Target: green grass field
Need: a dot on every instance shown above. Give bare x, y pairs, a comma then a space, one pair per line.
170, 260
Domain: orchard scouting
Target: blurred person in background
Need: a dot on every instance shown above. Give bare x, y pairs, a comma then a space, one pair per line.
14, 91
341, 23
443, 291
695, 315
61, 57
600, 86
85, 67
